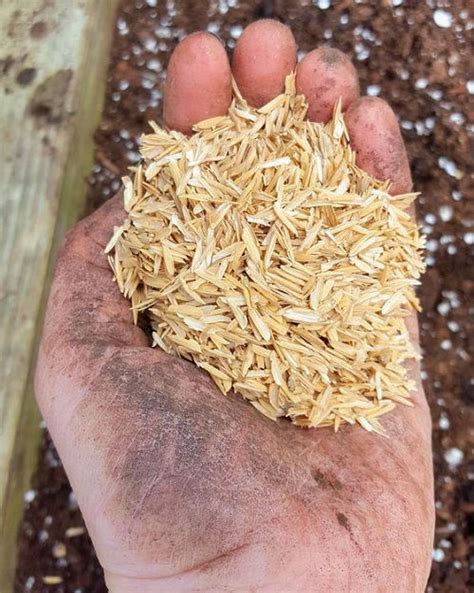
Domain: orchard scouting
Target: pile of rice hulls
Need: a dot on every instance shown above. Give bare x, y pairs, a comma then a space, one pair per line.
260, 251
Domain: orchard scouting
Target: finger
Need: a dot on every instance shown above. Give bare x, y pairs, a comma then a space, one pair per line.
323, 76
84, 298
198, 83
264, 55
375, 135
86, 314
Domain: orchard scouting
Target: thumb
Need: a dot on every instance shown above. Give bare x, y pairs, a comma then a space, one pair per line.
86, 315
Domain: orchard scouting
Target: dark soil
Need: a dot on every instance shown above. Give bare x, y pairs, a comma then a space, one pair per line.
405, 54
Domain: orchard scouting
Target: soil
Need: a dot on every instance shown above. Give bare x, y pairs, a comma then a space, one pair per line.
415, 54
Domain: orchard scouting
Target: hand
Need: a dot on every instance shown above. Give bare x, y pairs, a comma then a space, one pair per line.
183, 489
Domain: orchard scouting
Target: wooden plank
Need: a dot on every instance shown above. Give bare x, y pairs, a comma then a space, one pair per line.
53, 64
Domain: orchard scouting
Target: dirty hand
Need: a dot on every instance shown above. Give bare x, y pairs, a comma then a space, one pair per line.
183, 489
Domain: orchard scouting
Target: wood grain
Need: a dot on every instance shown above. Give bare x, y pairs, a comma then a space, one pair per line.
53, 63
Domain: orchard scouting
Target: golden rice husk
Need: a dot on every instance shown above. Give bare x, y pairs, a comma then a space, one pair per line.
260, 251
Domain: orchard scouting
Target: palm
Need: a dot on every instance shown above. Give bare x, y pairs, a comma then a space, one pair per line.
185, 490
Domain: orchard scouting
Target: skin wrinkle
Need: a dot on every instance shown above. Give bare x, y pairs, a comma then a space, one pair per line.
115, 471
195, 568
211, 564
146, 495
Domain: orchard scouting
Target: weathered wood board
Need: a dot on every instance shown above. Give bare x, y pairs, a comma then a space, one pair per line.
53, 61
